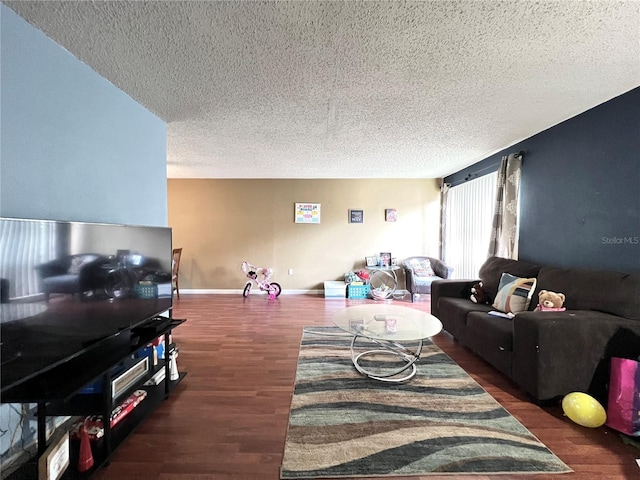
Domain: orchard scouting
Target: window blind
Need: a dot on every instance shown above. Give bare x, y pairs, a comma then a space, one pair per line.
24, 245
469, 213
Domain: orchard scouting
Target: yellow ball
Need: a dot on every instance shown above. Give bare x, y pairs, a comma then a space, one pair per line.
584, 410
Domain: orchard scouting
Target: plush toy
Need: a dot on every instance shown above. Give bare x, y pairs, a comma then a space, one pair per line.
351, 277
478, 295
550, 301
363, 275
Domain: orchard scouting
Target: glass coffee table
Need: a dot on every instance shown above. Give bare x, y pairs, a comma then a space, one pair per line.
387, 339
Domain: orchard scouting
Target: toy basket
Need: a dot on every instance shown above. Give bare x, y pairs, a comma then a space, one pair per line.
357, 291
146, 290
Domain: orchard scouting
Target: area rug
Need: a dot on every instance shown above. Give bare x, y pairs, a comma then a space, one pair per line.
342, 424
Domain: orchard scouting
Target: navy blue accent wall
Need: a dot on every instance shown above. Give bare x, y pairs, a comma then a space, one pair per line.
580, 204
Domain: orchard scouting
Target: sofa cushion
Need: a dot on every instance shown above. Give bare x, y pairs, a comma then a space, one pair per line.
453, 314
62, 284
492, 270
76, 265
425, 281
498, 329
77, 262
514, 293
421, 268
492, 338
611, 292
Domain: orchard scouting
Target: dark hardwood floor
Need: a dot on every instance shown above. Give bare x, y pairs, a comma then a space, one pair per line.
228, 419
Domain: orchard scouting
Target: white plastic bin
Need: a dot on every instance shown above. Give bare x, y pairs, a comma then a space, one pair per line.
335, 289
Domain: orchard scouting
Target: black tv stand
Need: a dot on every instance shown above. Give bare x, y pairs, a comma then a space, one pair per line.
155, 326
57, 392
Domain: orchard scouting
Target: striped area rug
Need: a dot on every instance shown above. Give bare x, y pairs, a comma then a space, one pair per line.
345, 425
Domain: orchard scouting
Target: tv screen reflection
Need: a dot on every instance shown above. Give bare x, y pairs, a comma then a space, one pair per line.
65, 286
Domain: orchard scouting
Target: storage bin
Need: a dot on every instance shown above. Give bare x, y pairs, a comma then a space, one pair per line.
358, 291
335, 289
146, 290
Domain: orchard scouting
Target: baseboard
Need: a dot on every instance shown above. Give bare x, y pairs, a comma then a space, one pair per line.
238, 291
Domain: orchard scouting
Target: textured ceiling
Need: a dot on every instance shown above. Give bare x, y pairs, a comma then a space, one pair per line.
334, 89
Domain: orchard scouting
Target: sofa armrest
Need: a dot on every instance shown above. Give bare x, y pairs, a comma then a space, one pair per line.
449, 288
555, 353
409, 277
52, 268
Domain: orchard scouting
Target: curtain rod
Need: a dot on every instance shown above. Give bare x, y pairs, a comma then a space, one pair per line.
478, 173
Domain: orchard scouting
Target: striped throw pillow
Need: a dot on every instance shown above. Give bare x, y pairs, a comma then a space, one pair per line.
514, 293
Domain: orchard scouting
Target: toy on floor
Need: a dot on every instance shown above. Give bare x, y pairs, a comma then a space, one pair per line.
265, 284
584, 410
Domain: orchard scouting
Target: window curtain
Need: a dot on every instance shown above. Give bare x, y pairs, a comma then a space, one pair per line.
444, 193
504, 230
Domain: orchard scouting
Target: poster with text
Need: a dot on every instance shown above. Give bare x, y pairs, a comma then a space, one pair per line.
356, 216
307, 212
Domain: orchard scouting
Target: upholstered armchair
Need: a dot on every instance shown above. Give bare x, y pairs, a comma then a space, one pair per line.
420, 272
72, 274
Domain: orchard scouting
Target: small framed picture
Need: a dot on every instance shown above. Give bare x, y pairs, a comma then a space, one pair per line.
356, 216
385, 259
390, 215
371, 261
394, 262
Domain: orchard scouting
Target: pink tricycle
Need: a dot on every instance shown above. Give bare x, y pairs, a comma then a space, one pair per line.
265, 284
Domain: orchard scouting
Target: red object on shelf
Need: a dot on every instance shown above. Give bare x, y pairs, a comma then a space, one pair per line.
85, 459
93, 426
363, 274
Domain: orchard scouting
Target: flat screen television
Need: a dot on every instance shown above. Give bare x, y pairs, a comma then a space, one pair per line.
68, 287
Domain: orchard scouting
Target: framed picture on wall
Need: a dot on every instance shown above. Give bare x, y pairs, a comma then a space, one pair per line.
307, 212
390, 215
356, 216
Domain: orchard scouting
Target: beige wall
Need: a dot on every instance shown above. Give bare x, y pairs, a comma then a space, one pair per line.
220, 223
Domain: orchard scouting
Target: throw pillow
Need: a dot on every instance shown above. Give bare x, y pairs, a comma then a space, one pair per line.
422, 268
76, 265
514, 293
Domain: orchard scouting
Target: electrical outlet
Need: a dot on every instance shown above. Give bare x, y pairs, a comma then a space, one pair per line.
291, 271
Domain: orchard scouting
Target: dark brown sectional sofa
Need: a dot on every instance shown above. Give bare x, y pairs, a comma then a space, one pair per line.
548, 354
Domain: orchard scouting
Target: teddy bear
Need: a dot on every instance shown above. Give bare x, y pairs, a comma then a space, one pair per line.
550, 301
478, 295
